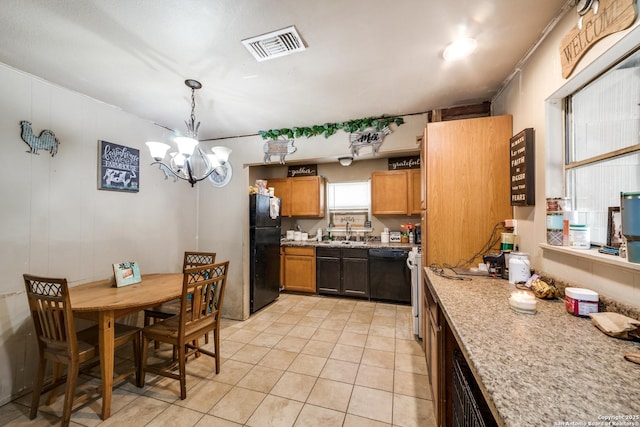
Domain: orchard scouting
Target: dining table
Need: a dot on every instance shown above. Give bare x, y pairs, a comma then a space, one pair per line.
102, 302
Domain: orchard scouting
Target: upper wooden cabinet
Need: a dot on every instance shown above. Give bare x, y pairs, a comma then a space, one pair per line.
396, 192
302, 196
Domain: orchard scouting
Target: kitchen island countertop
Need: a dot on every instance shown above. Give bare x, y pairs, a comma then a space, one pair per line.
546, 369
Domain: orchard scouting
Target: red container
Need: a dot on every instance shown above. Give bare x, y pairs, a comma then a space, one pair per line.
580, 302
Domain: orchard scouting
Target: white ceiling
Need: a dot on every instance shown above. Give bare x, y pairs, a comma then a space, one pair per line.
364, 57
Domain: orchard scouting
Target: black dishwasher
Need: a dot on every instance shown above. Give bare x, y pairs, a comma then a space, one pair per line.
389, 276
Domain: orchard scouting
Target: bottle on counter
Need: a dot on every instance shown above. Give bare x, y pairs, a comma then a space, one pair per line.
411, 237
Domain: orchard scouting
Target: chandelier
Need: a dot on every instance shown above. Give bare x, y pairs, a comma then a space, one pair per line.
190, 163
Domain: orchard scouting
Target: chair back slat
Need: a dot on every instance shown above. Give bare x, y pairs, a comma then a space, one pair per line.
51, 312
196, 259
202, 291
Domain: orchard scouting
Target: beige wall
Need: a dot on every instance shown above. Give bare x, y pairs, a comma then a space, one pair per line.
55, 222
533, 97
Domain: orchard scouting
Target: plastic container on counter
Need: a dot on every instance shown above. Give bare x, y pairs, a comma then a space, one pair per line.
580, 301
579, 236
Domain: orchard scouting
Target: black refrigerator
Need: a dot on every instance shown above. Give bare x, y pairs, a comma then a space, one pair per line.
264, 243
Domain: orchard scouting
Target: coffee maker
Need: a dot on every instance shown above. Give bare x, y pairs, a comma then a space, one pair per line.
417, 234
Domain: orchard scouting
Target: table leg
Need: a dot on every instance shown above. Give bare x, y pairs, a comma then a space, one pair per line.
107, 338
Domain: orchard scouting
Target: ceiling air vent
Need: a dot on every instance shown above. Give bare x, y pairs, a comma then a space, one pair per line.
275, 44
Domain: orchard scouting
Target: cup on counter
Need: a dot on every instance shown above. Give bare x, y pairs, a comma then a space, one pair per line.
290, 234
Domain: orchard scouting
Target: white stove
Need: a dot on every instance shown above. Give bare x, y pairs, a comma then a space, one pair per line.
414, 262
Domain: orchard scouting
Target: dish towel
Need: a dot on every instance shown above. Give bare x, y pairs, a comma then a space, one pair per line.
274, 207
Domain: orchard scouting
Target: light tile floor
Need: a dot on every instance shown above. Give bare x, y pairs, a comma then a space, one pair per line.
302, 361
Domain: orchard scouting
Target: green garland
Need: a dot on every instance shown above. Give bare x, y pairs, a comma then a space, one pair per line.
329, 129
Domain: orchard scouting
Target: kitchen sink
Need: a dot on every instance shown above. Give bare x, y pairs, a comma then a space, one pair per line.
345, 243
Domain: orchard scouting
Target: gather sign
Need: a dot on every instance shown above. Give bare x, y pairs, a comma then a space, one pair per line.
612, 16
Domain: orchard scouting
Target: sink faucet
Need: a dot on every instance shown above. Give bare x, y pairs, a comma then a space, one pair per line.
347, 231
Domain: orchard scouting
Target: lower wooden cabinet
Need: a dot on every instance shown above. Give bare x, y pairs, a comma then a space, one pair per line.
342, 272
300, 269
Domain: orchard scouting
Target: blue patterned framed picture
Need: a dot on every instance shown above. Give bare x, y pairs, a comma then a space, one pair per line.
126, 273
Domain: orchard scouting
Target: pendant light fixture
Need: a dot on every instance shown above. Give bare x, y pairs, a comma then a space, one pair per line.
190, 163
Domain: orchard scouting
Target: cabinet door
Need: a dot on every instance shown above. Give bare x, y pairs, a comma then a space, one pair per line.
355, 277
328, 275
307, 196
389, 193
282, 189
300, 269
467, 187
415, 191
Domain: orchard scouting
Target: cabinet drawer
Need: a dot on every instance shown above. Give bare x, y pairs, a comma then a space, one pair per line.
328, 252
294, 250
355, 253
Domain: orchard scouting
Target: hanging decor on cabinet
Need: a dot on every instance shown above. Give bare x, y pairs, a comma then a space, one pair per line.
596, 20
278, 147
45, 141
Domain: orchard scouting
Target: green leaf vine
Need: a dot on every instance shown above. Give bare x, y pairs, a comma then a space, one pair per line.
328, 129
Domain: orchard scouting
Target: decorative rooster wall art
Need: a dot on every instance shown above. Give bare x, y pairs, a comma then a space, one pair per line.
46, 141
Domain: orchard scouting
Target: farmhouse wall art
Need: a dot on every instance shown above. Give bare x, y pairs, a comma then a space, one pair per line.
119, 167
45, 141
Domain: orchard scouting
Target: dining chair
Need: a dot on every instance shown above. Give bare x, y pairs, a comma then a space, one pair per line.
171, 308
58, 342
198, 315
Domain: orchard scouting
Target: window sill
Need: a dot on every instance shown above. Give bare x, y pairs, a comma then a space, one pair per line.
593, 255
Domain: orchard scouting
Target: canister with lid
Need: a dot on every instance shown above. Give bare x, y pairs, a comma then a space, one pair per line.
580, 301
579, 236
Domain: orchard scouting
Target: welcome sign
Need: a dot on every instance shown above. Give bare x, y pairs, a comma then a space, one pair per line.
612, 16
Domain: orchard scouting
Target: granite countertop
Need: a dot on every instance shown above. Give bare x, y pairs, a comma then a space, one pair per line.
543, 369
351, 244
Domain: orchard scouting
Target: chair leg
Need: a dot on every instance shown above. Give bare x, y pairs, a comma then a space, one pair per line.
57, 371
143, 358
206, 338
216, 341
138, 359
37, 387
70, 389
183, 374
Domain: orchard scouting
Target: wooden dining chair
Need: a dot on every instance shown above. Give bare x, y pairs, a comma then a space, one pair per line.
200, 308
58, 342
171, 308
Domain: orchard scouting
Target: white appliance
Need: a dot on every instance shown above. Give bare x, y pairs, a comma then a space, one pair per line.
414, 262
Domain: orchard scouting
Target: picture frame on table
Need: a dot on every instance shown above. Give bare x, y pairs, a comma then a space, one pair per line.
614, 227
126, 273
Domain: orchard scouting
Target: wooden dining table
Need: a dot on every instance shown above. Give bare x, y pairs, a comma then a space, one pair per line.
100, 301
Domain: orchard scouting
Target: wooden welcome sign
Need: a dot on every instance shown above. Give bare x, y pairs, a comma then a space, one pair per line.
613, 16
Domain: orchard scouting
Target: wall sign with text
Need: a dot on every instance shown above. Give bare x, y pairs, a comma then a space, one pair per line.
398, 163
302, 170
522, 168
612, 16
119, 167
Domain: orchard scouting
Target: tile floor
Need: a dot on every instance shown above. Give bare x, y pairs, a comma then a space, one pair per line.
302, 361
